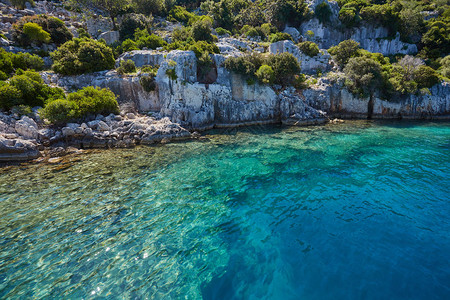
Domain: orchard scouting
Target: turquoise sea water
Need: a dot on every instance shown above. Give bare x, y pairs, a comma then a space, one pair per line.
359, 210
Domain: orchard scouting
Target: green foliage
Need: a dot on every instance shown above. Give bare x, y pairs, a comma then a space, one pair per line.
252, 15
126, 67
222, 31
344, 51
93, 101
436, 41
27, 88
444, 70
245, 65
323, 12
80, 56
9, 62
59, 34
205, 65
279, 36
425, 77
148, 82
201, 47
201, 30
309, 48
265, 74
60, 111
180, 14
363, 75
36, 33
383, 15
82, 33
113, 7
151, 7
284, 66
153, 70
129, 45
132, 22
144, 39
80, 104
22, 110
291, 12
171, 72
348, 16
268, 29
9, 96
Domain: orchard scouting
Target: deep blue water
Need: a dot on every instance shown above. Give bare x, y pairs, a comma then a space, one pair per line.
359, 210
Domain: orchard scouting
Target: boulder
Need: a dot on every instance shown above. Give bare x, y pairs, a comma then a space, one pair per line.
27, 128
110, 37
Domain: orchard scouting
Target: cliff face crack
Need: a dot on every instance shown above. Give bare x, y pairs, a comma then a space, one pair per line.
370, 107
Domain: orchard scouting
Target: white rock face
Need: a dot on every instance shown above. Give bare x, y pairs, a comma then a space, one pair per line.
97, 24
293, 32
371, 38
186, 64
27, 128
143, 57
110, 37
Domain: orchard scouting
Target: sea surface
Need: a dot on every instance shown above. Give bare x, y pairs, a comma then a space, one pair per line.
359, 210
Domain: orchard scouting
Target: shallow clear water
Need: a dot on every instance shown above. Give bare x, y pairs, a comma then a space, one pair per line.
358, 210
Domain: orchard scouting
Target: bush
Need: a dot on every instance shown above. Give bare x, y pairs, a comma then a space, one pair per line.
27, 61
363, 75
132, 22
279, 36
93, 101
309, 48
60, 111
201, 47
148, 83
425, 77
36, 33
445, 66
244, 65
180, 14
126, 66
9, 96
144, 39
222, 31
171, 72
59, 34
282, 12
129, 45
265, 74
80, 56
284, 66
344, 51
323, 12
201, 30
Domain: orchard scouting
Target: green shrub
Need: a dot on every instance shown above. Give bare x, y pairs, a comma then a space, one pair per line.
201, 47
148, 83
201, 30
22, 110
60, 111
33, 89
436, 41
153, 70
425, 77
445, 66
27, 61
82, 33
284, 66
282, 12
309, 48
58, 31
129, 45
132, 22
222, 31
80, 56
268, 29
93, 101
348, 16
171, 72
363, 75
144, 39
279, 36
180, 14
9, 96
126, 67
246, 65
265, 74
344, 51
205, 65
323, 12
36, 33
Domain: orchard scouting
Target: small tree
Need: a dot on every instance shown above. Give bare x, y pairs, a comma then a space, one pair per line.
344, 51
323, 12
113, 7
36, 33
265, 74
364, 77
